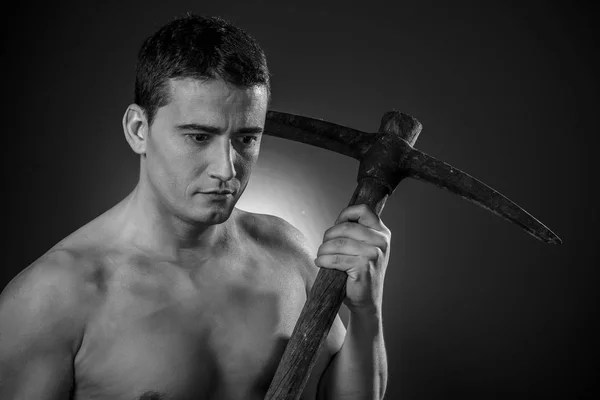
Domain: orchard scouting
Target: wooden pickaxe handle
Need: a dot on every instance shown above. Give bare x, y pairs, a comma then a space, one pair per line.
375, 184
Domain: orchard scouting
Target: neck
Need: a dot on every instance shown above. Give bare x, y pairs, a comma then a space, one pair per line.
146, 224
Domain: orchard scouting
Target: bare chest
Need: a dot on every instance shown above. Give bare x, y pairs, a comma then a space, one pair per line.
170, 334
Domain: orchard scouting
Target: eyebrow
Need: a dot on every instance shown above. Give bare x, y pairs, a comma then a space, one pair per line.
215, 130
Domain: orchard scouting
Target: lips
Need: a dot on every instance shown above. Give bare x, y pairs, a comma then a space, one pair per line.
222, 192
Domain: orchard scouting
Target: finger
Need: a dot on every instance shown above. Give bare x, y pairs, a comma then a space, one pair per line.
353, 230
362, 214
342, 262
350, 247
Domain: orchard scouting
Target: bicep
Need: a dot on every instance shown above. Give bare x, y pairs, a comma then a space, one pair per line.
35, 375
36, 337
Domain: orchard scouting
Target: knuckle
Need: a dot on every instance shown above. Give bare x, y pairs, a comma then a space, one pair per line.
345, 226
384, 229
384, 247
366, 210
381, 240
374, 254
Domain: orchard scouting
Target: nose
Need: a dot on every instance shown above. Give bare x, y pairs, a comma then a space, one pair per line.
221, 166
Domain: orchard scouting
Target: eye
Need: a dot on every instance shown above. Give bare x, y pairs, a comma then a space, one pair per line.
198, 137
248, 140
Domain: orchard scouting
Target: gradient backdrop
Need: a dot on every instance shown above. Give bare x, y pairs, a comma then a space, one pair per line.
473, 307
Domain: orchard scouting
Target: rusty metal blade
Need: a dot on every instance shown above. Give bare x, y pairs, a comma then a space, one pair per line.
326, 135
430, 169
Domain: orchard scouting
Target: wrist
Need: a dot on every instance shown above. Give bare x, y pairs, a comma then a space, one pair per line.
366, 319
366, 312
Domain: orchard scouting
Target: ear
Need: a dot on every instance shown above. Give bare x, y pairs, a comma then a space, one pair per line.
135, 128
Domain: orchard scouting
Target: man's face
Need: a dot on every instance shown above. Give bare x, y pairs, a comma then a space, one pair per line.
205, 140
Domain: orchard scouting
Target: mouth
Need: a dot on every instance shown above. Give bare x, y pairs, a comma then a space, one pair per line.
218, 194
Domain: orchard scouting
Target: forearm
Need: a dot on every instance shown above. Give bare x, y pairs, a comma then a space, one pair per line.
359, 369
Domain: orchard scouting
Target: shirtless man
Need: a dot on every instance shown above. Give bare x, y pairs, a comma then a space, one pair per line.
174, 293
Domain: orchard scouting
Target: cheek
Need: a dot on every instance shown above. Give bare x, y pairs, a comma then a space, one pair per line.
244, 164
168, 167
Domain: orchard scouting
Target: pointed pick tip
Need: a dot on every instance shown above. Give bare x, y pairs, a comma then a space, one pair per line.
554, 240
548, 236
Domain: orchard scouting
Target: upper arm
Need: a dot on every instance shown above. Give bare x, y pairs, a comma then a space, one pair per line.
294, 238
39, 332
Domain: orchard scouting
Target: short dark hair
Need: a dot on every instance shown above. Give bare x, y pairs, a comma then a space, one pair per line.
196, 47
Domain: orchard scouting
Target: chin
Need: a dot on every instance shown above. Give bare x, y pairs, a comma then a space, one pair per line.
203, 210
211, 217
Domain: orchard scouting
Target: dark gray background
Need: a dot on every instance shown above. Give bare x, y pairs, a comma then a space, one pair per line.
473, 307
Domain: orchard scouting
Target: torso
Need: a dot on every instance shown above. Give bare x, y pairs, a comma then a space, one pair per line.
157, 329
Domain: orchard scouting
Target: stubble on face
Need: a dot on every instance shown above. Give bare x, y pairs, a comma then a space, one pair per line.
203, 140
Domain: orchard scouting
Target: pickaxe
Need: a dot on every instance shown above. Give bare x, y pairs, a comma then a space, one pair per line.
385, 157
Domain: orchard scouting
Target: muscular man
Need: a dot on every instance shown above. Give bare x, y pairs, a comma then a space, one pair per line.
174, 293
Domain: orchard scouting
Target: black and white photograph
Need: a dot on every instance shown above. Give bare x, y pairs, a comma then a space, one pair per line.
275, 200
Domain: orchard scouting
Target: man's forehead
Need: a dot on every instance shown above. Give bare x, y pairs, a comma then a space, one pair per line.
217, 91
215, 102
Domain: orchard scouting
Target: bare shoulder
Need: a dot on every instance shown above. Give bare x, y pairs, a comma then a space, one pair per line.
275, 234
52, 271
47, 295
42, 320
270, 227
